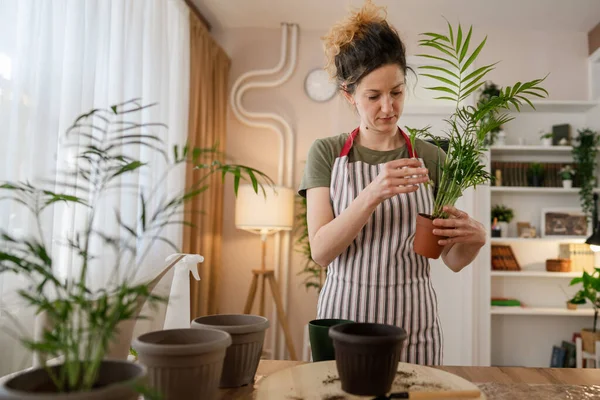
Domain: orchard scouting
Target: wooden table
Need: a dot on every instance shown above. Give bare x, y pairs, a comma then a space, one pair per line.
503, 375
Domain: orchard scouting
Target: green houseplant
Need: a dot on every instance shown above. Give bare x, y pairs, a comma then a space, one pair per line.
535, 174
566, 174
313, 272
82, 318
584, 155
502, 215
468, 126
546, 138
589, 293
488, 91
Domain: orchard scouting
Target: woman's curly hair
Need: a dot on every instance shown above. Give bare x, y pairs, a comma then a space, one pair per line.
361, 43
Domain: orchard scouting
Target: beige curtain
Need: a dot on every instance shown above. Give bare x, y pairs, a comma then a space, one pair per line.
209, 74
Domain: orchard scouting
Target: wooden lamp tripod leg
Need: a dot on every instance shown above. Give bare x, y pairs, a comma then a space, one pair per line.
269, 276
281, 315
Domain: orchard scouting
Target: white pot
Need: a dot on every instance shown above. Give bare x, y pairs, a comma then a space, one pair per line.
547, 142
501, 139
503, 229
567, 183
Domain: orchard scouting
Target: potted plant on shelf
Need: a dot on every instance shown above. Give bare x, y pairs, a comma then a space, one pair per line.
584, 155
535, 174
502, 215
589, 293
546, 139
467, 127
496, 136
567, 173
107, 147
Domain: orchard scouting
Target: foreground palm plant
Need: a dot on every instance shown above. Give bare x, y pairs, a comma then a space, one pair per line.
84, 316
468, 126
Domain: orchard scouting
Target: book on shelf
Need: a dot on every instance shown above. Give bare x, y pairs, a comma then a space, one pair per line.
503, 258
558, 357
581, 255
570, 354
516, 173
504, 302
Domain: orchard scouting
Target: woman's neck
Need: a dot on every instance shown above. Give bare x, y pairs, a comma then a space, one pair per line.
378, 140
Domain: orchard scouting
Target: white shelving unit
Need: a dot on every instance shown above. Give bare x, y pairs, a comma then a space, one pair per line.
543, 294
560, 106
543, 311
534, 274
557, 239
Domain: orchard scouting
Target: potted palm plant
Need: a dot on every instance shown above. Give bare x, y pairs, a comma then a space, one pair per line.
589, 293
467, 127
106, 147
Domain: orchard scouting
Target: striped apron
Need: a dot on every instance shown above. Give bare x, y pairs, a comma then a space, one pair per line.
379, 278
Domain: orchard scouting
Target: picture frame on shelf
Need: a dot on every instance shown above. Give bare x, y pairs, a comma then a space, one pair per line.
564, 222
524, 230
561, 135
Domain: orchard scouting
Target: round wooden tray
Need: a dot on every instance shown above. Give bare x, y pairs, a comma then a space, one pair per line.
320, 381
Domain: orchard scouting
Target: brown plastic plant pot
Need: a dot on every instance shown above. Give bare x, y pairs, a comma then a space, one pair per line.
247, 337
367, 356
116, 381
183, 362
426, 243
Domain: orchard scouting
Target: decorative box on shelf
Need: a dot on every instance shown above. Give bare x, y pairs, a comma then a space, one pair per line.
558, 265
504, 259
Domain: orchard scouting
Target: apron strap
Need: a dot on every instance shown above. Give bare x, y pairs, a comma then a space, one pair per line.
350, 141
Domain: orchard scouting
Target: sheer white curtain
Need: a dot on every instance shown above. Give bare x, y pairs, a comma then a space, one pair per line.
59, 59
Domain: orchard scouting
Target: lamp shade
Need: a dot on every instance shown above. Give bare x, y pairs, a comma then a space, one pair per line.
266, 212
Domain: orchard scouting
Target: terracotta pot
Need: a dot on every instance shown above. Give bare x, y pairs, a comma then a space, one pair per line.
589, 338
571, 306
426, 243
182, 362
115, 382
367, 356
247, 337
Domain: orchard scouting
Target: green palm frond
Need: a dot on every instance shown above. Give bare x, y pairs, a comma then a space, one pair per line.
456, 80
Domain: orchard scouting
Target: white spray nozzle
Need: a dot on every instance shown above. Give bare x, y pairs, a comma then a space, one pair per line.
188, 261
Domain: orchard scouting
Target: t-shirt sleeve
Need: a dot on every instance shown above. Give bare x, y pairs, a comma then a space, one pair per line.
434, 158
317, 170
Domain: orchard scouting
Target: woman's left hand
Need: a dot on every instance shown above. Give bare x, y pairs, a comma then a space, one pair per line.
459, 228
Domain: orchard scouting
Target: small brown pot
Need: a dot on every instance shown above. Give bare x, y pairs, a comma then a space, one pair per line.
589, 338
247, 337
183, 362
367, 356
426, 243
571, 306
115, 382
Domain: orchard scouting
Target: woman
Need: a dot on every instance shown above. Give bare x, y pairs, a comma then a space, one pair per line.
364, 190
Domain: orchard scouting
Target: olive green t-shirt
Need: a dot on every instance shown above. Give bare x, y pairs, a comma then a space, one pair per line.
323, 153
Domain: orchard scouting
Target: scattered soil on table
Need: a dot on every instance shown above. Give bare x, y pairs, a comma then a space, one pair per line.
404, 375
331, 379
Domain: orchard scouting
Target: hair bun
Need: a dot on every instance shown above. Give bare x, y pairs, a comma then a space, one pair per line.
343, 33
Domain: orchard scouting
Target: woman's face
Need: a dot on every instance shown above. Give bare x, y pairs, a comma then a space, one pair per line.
379, 98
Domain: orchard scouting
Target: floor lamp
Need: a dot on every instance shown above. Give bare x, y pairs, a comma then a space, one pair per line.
265, 213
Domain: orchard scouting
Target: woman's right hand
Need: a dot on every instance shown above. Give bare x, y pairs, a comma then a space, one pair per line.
398, 176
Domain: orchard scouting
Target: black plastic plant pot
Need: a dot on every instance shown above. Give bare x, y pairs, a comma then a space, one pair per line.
367, 356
